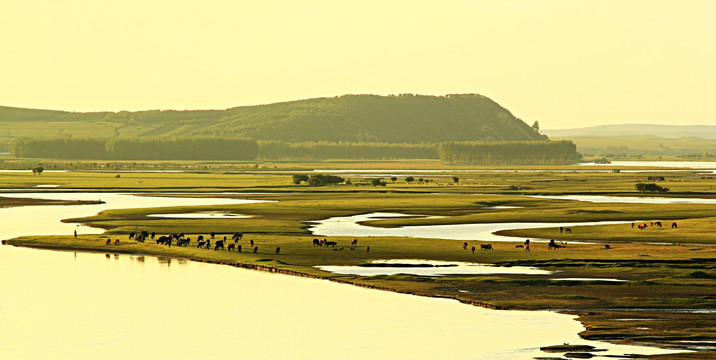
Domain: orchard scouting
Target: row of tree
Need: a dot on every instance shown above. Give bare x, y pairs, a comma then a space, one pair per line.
478, 153
135, 148
512, 152
323, 150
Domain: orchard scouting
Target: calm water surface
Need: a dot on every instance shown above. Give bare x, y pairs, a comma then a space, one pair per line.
351, 226
64, 305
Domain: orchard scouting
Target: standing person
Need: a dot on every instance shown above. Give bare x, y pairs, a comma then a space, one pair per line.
527, 245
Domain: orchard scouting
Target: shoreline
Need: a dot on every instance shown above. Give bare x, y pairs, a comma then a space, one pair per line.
243, 265
578, 314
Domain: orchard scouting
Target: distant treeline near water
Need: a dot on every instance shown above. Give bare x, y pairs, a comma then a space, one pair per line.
279, 150
135, 148
477, 153
514, 152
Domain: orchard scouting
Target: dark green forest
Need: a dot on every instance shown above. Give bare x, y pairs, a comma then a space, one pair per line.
514, 153
475, 153
135, 149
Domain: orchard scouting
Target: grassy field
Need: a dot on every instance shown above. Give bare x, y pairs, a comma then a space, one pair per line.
664, 268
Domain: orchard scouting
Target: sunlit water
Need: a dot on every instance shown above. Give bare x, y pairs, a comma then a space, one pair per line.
203, 215
628, 199
65, 305
430, 268
351, 226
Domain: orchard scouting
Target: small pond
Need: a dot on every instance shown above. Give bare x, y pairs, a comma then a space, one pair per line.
429, 268
203, 215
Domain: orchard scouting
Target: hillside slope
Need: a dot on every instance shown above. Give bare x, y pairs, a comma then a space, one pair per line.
391, 119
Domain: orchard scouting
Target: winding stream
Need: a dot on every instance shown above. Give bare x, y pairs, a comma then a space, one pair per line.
65, 305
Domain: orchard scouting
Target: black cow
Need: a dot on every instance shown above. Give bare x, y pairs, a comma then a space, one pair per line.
552, 245
219, 245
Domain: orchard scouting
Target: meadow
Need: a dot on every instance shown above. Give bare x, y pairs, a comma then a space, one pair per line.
669, 273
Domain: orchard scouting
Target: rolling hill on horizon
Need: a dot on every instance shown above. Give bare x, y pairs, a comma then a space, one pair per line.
663, 131
347, 118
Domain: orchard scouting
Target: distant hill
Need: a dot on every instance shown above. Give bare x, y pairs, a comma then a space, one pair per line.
349, 118
663, 131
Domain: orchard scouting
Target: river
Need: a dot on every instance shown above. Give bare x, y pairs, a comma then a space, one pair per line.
65, 305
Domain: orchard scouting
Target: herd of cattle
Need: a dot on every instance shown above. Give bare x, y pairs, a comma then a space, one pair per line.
180, 240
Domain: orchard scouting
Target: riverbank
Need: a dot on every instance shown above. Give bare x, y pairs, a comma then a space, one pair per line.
654, 286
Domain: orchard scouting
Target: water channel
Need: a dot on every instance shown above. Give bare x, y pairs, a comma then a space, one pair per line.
65, 305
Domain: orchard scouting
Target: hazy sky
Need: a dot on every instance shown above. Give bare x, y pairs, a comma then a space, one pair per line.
564, 63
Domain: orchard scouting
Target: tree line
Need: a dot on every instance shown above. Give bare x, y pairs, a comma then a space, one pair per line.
477, 153
135, 148
324, 150
512, 152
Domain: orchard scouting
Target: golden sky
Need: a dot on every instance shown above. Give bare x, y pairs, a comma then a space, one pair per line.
563, 63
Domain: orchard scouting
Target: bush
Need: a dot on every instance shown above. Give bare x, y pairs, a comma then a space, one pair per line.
650, 188
298, 178
320, 180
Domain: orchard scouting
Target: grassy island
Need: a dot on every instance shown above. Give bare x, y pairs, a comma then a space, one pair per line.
664, 273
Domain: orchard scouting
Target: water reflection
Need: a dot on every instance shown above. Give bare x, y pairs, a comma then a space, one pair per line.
92, 308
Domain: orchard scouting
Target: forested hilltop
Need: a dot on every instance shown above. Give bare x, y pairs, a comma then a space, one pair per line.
349, 118
457, 129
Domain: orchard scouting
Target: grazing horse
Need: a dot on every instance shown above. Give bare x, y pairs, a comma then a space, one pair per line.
200, 244
208, 244
219, 245
464, 246
153, 235
212, 235
251, 242
568, 230
561, 229
367, 249
236, 237
316, 242
485, 247
109, 241
278, 249
658, 224
238, 248
473, 249
552, 245
256, 249
331, 243
131, 236
116, 241
606, 246
230, 247
354, 243
200, 238
673, 225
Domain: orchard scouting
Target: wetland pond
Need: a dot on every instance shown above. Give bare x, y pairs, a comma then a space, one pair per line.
66, 305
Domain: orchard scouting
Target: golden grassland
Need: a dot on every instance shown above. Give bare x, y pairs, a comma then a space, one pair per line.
665, 268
